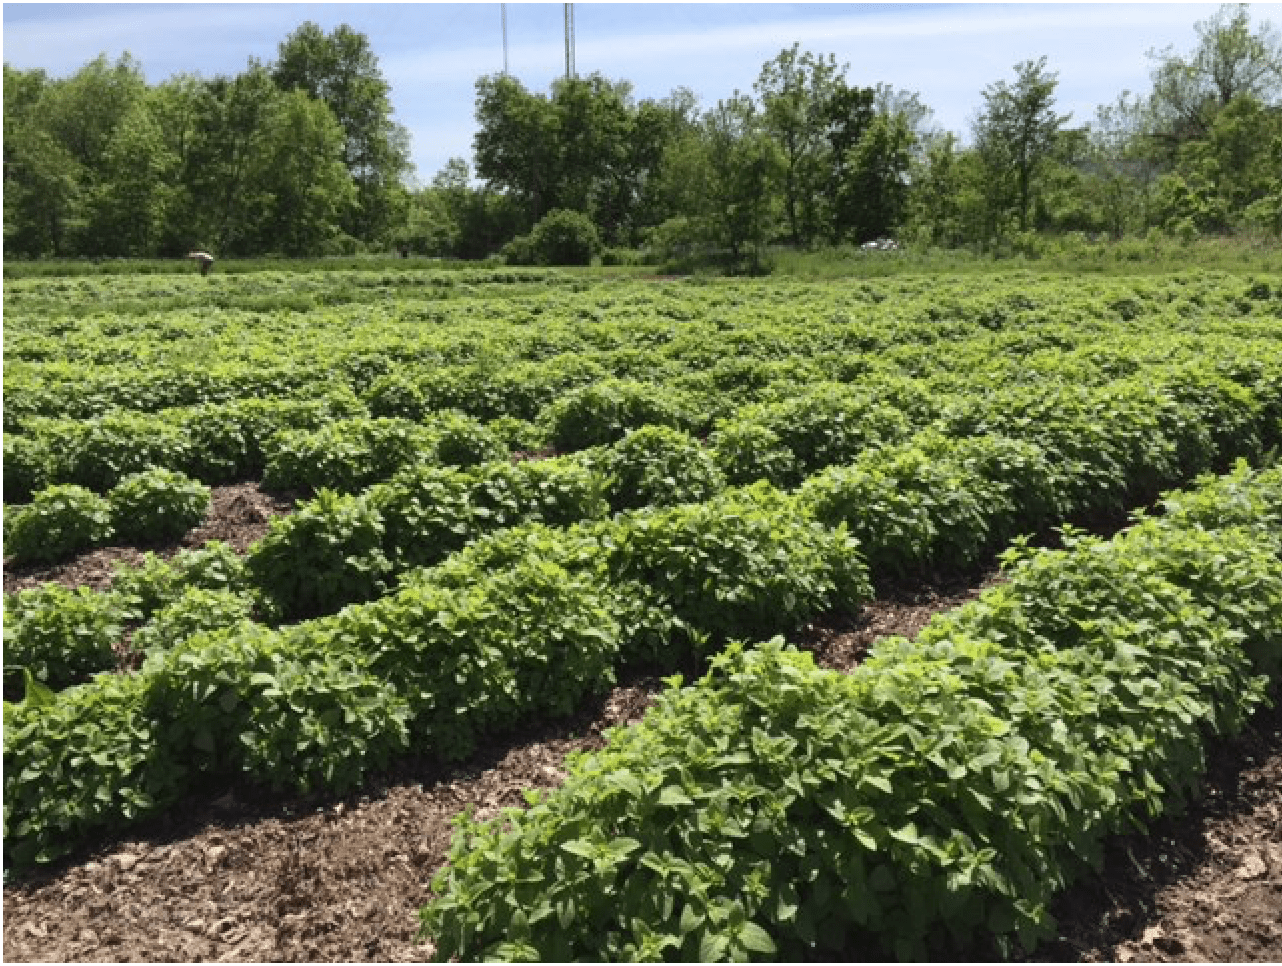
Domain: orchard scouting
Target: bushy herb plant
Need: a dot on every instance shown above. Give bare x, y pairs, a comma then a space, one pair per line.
62, 635
60, 522
327, 553
157, 506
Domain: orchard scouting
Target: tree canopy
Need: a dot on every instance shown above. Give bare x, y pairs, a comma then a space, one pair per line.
302, 156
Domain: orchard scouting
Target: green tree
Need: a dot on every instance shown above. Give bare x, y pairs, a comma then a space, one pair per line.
42, 180
130, 203
745, 169
1014, 135
57, 135
341, 70
297, 174
796, 91
515, 145
83, 111
1119, 168
219, 167
871, 197
595, 172
1230, 61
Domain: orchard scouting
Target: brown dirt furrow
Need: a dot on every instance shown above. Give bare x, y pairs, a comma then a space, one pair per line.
238, 515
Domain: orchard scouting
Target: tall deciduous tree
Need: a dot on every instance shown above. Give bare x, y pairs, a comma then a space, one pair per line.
796, 89
1230, 61
1014, 134
42, 180
296, 168
132, 198
872, 196
515, 143
341, 70
746, 166
218, 169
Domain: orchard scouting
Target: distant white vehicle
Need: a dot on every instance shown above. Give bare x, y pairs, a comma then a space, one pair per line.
880, 245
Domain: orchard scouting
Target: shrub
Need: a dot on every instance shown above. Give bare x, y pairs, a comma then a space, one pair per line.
747, 451
326, 554
463, 441
157, 506
60, 522
659, 466
231, 442
603, 413
104, 450
155, 583
26, 467
561, 237
193, 611
348, 455
87, 759
395, 394
519, 435
745, 565
61, 635
527, 642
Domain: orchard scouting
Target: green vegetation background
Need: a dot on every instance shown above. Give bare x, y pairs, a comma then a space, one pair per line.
301, 158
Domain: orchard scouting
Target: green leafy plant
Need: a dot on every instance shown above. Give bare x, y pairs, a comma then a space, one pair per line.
603, 413
26, 469
194, 610
157, 506
155, 583
658, 466
346, 456
327, 553
61, 635
938, 796
60, 521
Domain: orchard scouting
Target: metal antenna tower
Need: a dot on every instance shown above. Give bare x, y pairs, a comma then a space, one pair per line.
503, 14
569, 41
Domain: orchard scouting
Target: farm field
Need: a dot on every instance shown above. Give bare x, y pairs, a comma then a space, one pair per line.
410, 530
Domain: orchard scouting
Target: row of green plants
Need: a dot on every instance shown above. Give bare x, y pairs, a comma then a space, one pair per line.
934, 503
57, 636
931, 803
663, 586
148, 507
44, 290
333, 441
91, 364
433, 666
1086, 451
684, 373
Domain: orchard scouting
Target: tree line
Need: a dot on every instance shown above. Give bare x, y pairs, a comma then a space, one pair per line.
302, 157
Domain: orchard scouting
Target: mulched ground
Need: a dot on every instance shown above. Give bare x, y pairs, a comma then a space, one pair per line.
238, 515
236, 875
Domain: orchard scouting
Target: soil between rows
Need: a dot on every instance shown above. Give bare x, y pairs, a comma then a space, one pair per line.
236, 875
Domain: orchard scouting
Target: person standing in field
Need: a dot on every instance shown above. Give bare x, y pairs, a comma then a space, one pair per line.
205, 259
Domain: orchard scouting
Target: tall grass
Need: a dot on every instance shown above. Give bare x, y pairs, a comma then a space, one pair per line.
1155, 254
58, 267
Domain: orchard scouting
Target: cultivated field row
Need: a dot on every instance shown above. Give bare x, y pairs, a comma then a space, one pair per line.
517, 497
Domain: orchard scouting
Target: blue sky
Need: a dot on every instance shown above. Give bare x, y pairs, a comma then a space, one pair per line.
432, 53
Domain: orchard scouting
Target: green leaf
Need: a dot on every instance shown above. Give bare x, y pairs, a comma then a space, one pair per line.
712, 948
673, 796
755, 939
580, 847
